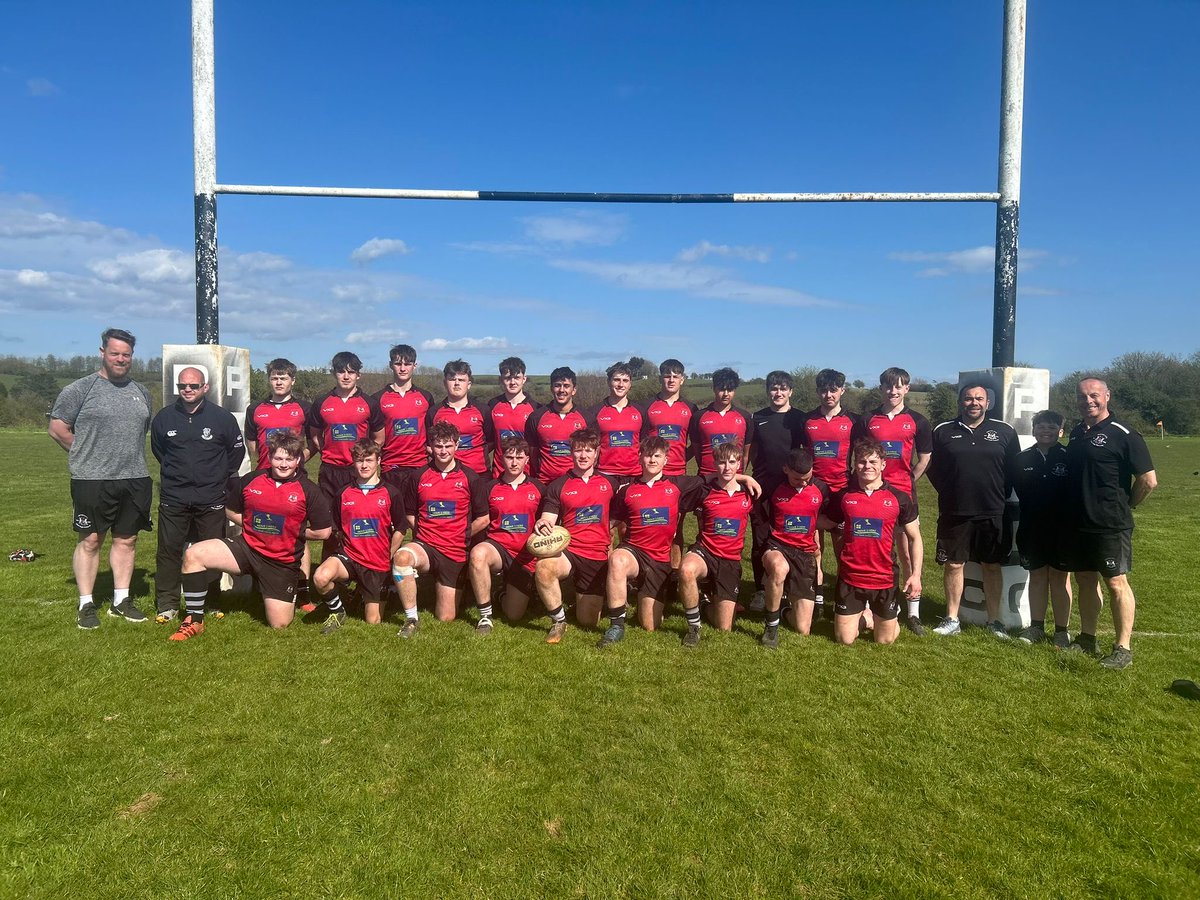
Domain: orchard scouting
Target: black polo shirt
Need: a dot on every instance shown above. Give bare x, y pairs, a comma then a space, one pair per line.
1101, 464
970, 467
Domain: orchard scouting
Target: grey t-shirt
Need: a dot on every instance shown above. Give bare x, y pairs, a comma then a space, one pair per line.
110, 422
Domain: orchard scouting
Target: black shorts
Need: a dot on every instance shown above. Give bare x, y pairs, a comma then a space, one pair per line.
588, 575
652, 574
724, 576
515, 571
801, 583
398, 476
1109, 554
447, 571
978, 539
852, 601
332, 479
121, 506
370, 582
1041, 545
276, 580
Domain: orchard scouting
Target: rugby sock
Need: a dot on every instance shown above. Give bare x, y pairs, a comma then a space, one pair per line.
84, 600
334, 603
773, 619
120, 595
617, 616
557, 615
1038, 623
302, 591
914, 607
485, 610
1059, 629
411, 614
693, 616
195, 591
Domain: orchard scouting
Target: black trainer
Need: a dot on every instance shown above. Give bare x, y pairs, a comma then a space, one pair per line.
88, 619
692, 637
770, 638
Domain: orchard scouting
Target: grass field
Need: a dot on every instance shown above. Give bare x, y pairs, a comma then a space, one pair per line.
260, 764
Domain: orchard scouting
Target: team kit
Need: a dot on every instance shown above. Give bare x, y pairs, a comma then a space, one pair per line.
505, 502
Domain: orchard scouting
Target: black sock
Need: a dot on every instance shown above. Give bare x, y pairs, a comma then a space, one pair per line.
195, 592
773, 619
1060, 629
1038, 623
617, 616
334, 602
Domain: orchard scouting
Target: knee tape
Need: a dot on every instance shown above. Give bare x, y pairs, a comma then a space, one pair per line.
402, 572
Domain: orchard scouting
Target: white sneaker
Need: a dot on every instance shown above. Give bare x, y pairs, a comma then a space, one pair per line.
947, 627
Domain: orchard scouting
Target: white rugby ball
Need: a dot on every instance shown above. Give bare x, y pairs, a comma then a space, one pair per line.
546, 545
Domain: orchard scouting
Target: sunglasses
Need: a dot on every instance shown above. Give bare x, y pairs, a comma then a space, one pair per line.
185, 386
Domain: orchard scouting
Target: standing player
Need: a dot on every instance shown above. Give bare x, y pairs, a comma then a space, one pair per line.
777, 429
827, 434
872, 512
1040, 478
721, 423
907, 442
716, 558
510, 410
370, 516
793, 555
513, 503
403, 407
340, 419
549, 428
669, 416
278, 510
461, 411
619, 424
581, 500
445, 505
279, 412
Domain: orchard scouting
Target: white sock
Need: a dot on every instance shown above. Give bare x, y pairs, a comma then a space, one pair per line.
120, 595
914, 607
84, 600
411, 614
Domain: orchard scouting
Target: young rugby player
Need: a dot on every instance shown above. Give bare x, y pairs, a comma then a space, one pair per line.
445, 505
509, 410
792, 555
715, 560
279, 412
278, 510
404, 408
619, 424
473, 424
669, 416
580, 500
873, 513
907, 442
513, 502
721, 423
370, 516
549, 428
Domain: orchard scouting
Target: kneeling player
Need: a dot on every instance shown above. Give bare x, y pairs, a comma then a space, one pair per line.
278, 510
715, 560
445, 505
793, 555
368, 514
581, 500
513, 502
873, 514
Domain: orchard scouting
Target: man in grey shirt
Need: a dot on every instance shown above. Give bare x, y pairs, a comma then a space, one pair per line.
101, 420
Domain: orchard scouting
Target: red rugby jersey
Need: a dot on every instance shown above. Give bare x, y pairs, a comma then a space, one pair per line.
711, 428
444, 504
723, 517
903, 435
672, 422
651, 511
340, 423
870, 532
367, 518
830, 441
794, 514
404, 426
549, 434
268, 417
474, 432
620, 432
507, 420
512, 512
274, 513
583, 509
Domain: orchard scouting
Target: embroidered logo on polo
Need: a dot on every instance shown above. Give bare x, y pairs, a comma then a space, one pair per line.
1059, 469
1099, 440
991, 436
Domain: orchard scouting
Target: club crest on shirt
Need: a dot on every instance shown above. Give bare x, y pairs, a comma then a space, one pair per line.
206, 434
1059, 469
991, 436
1099, 440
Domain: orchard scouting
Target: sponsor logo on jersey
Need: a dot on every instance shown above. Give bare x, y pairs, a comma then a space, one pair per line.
990, 435
408, 427
559, 448
892, 449
725, 437
266, 523
515, 523
864, 527
589, 515
343, 431
656, 515
270, 431
826, 449
669, 432
364, 528
620, 439
724, 527
466, 441
797, 524
440, 509
1099, 440
506, 433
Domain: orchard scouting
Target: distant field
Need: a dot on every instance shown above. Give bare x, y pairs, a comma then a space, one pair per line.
251, 763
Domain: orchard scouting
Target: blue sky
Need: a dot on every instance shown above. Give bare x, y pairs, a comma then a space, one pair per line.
96, 181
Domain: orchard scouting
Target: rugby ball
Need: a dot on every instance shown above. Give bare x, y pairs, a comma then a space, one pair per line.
546, 545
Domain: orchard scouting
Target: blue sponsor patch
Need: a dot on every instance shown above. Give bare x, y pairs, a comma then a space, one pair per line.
266, 523
862, 527
726, 527
589, 515
342, 431
466, 441
656, 515
515, 523
670, 432
440, 509
620, 439
364, 528
405, 428
506, 433
725, 437
559, 448
270, 431
825, 449
892, 449
797, 524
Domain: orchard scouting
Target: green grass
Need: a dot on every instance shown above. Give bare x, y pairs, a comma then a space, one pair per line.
252, 763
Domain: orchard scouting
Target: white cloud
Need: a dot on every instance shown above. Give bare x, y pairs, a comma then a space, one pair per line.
32, 278
502, 248
579, 227
972, 261
704, 248
376, 336
256, 261
153, 266
376, 248
42, 87
467, 343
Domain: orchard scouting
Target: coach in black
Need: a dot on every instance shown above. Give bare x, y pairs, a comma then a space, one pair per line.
970, 469
1109, 472
198, 446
